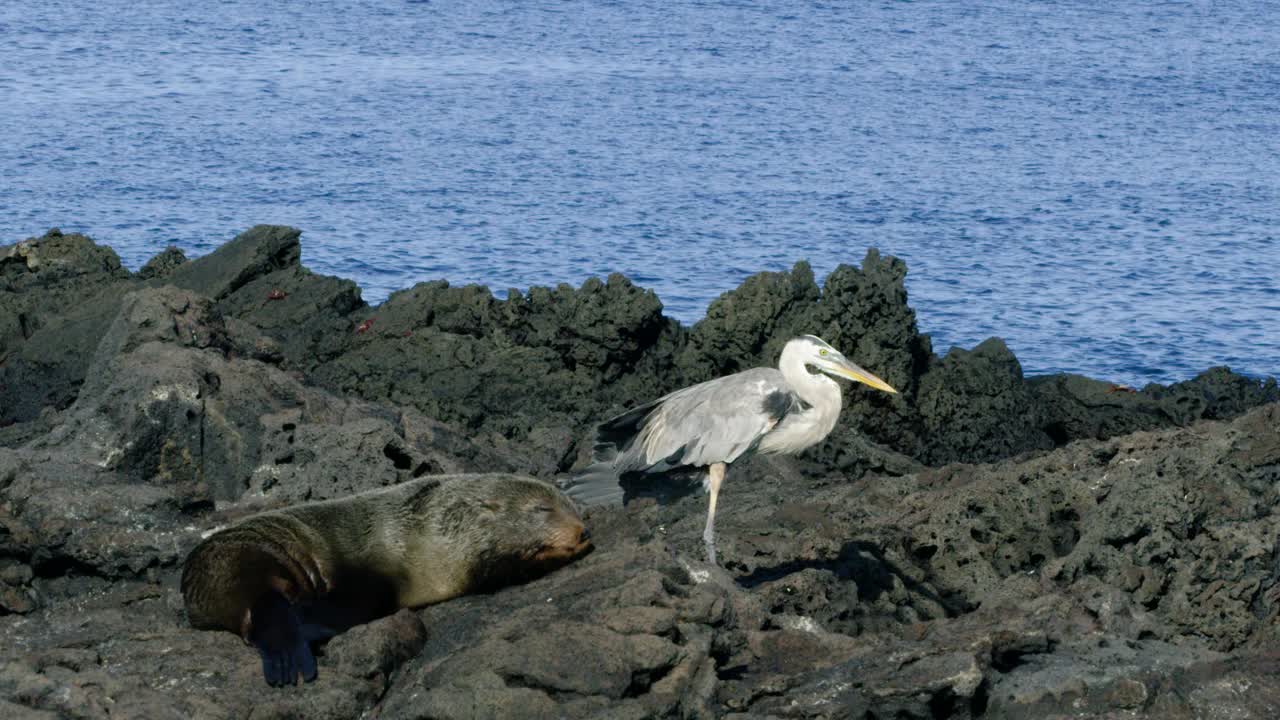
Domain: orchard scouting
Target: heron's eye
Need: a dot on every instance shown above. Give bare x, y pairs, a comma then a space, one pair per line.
822, 352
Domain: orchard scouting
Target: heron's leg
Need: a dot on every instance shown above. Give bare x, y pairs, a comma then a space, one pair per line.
709, 534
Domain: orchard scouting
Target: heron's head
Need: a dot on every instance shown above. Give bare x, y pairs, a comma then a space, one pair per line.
817, 354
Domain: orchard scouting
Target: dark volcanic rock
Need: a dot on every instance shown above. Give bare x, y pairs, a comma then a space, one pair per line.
162, 265
747, 327
1115, 556
1015, 590
530, 369
1096, 576
863, 311
57, 295
975, 407
258, 251
53, 261
308, 315
1073, 407
956, 408
631, 634
258, 278
127, 651
172, 422
164, 402
535, 372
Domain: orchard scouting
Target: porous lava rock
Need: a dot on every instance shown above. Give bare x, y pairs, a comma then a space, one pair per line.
981, 545
58, 293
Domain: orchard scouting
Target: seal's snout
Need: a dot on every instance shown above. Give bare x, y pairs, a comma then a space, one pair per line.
584, 543
568, 544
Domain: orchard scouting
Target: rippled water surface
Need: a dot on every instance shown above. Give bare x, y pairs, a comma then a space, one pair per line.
1097, 184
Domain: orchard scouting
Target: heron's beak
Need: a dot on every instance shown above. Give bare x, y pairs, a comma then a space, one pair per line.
844, 368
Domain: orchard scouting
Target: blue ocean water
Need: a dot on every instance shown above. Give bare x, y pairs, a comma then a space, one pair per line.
1098, 183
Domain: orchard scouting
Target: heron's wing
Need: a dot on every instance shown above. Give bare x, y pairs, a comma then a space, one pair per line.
597, 484
615, 435
714, 421
600, 482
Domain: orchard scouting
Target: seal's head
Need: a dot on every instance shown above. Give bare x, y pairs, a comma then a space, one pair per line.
528, 529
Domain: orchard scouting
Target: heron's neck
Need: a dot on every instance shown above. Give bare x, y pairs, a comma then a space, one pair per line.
816, 389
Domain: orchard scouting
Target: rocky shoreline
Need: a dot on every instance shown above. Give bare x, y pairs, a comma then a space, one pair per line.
983, 545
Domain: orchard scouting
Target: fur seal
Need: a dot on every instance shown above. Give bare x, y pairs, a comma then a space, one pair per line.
286, 578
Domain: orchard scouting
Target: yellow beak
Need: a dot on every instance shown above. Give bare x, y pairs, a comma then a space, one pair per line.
847, 369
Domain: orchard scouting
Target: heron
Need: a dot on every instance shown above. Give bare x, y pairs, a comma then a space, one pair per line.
715, 423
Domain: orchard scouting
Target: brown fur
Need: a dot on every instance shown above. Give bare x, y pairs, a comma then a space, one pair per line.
409, 545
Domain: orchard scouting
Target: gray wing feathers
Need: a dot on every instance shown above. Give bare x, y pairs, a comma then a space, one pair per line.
596, 485
714, 421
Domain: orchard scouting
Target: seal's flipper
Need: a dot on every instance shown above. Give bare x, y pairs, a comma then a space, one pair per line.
282, 641
315, 632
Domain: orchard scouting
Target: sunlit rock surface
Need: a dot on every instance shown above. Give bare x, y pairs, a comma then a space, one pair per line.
982, 545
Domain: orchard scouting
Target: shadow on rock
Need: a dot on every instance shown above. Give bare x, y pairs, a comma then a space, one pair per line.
864, 564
